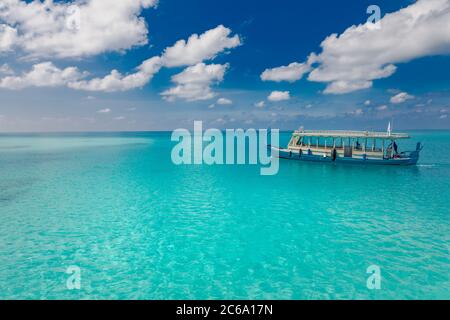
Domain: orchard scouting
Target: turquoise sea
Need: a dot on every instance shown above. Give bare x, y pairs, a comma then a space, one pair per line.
139, 227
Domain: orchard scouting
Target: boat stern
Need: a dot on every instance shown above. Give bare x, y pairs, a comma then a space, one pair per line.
413, 156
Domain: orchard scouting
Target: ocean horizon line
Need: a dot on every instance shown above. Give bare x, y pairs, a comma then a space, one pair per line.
8, 133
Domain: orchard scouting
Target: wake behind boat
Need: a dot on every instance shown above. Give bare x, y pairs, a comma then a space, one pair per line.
361, 147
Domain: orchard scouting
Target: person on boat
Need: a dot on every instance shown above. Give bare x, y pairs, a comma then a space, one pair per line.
389, 151
334, 154
395, 147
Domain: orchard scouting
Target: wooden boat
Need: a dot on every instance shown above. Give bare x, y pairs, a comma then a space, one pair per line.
339, 146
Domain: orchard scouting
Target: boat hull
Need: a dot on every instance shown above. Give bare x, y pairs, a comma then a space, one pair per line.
293, 155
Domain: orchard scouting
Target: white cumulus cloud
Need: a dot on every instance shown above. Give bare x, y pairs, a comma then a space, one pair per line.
352, 60
361, 54
116, 81
44, 74
195, 50
74, 29
290, 73
279, 96
8, 37
195, 82
199, 48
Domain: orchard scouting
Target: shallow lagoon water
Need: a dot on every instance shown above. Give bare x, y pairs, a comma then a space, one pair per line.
140, 227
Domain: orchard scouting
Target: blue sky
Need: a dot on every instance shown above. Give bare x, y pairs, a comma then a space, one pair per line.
360, 78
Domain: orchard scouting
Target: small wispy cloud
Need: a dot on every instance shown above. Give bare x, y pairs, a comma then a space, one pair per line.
5, 69
106, 110
357, 112
260, 104
224, 101
401, 97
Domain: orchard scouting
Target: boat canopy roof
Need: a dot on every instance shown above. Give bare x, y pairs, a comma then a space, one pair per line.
352, 134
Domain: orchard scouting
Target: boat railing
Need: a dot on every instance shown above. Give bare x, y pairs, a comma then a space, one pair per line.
339, 148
